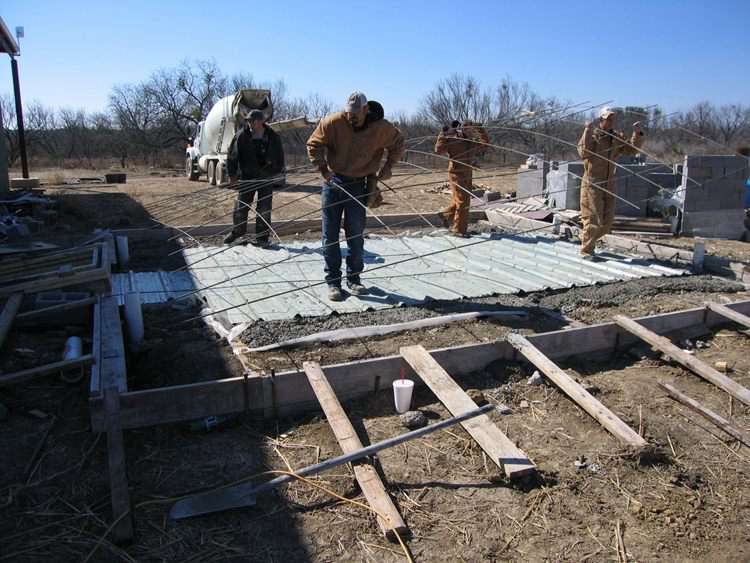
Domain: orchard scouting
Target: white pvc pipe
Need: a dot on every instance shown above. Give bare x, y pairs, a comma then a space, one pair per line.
73, 348
123, 253
134, 318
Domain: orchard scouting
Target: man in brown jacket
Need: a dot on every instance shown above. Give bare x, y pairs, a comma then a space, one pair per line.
599, 147
463, 145
347, 147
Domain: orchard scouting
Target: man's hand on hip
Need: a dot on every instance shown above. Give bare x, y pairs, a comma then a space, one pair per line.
384, 174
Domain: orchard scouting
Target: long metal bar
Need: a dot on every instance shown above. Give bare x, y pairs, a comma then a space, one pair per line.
244, 494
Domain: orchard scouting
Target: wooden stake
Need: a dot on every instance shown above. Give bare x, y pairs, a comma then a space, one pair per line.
366, 475
577, 393
498, 447
122, 530
719, 421
698, 367
8, 314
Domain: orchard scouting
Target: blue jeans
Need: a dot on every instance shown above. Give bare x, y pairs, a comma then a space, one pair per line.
347, 197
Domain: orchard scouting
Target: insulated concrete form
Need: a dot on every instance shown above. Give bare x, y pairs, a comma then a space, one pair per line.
287, 282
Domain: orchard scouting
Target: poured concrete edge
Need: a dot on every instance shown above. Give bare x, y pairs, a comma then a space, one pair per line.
288, 393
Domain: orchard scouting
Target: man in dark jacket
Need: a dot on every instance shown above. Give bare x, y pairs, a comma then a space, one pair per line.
256, 158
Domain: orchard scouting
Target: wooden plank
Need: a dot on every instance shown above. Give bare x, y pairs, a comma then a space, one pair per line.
496, 445
122, 519
354, 380
95, 384
369, 481
19, 376
716, 419
112, 369
577, 393
55, 309
692, 363
724, 311
8, 315
80, 278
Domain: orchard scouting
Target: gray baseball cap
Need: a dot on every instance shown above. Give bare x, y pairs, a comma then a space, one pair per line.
255, 114
355, 102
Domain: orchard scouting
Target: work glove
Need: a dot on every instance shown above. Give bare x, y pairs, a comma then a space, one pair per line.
374, 197
384, 174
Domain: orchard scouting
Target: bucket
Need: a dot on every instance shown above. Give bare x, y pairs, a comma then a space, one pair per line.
402, 389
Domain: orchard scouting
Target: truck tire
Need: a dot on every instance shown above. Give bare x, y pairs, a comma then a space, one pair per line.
191, 171
221, 176
212, 172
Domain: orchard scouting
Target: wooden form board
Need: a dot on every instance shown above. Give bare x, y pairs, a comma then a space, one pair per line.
96, 272
577, 393
716, 419
355, 380
692, 363
108, 348
9, 314
26, 374
734, 316
122, 519
490, 438
369, 481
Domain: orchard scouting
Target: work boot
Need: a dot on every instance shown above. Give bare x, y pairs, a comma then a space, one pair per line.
357, 288
230, 238
261, 243
335, 294
588, 256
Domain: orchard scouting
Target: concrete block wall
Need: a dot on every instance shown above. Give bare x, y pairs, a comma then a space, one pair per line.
564, 186
531, 181
633, 182
713, 194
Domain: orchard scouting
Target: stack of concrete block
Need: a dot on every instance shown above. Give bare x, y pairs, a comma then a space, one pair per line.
640, 184
713, 194
564, 186
637, 183
532, 179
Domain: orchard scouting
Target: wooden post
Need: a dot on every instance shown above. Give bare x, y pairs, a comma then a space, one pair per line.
498, 447
698, 367
577, 393
8, 314
122, 517
726, 312
366, 475
719, 421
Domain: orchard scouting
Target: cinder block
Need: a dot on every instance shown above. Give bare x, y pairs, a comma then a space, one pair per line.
24, 183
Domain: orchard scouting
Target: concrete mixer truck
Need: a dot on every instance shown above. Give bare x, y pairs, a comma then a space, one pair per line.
207, 154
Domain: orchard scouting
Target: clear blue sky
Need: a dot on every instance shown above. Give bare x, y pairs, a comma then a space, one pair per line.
639, 52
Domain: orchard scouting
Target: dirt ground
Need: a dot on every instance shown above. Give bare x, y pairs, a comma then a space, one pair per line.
149, 198
686, 500
455, 503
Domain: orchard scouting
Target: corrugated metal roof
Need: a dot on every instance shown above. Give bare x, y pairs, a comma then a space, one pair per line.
504, 264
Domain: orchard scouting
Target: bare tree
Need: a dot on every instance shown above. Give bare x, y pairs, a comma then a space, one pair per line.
457, 97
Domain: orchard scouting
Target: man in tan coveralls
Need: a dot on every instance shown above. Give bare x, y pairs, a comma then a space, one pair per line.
599, 147
463, 145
